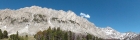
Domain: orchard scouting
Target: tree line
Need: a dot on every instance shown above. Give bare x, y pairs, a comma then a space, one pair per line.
58, 34
17, 37
3, 34
50, 34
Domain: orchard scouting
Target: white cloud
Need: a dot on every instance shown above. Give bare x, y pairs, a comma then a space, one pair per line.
84, 15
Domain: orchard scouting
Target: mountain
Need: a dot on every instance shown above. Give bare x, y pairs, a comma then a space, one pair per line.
29, 20
135, 38
130, 35
113, 34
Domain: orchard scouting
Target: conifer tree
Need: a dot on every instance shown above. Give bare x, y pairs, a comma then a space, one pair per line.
5, 34
89, 37
78, 38
70, 35
57, 34
49, 32
17, 34
1, 35
66, 36
26, 37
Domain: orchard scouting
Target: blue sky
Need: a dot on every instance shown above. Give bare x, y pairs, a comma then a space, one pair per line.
122, 15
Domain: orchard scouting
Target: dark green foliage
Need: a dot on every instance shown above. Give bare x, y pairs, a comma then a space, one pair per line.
35, 19
78, 38
17, 37
89, 37
60, 21
26, 37
54, 18
17, 34
25, 20
5, 34
1, 35
66, 36
71, 35
14, 37
12, 21
58, 34
39, 18
50, 34
72, 21
39, 35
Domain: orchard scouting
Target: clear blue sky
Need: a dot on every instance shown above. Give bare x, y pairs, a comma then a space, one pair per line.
122, 15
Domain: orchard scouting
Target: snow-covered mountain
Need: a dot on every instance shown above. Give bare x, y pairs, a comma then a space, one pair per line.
117, 35
30, 20
130, 35
135, 38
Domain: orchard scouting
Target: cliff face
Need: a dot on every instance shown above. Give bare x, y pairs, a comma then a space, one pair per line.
29, 20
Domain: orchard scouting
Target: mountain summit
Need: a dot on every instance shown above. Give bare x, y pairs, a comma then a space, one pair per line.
29, 20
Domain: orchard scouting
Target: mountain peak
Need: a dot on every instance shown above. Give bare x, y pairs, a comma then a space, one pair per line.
109, 28
35, 6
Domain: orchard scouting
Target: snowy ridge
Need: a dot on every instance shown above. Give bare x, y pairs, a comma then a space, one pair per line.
117, 35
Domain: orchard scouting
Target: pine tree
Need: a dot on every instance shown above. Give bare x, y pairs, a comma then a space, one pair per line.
17, 34
57, 34
5, 34
78, 38
1, 35
70, 35
54, 33
89, 37
66, 36
26, 37
49, 33
39, 35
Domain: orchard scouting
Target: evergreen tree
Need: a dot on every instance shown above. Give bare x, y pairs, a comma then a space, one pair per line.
57, 34
89, 37
39, 35
78, 38
66, 36
45, 34
54, 33
26, 37
5, 34
49, 33
17, 34
1, 35
83, 38
13, 37
70, 35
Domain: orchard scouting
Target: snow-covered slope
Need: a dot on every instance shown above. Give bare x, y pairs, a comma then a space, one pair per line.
130, 35
113, 34
30, 20
135, 38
